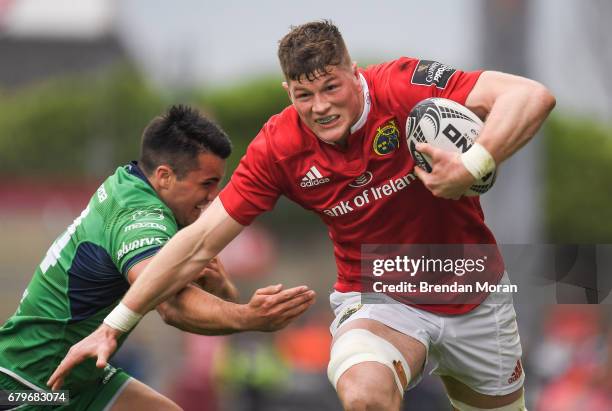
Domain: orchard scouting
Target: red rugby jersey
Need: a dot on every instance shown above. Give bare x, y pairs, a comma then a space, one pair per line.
368, 193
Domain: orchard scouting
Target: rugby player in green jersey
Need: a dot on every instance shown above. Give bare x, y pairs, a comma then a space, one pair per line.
88, 269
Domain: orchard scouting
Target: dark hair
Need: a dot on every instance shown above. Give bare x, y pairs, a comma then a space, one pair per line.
307, 50
178, 137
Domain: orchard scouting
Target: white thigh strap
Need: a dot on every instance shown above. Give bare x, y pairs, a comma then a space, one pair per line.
518, 405
357, 346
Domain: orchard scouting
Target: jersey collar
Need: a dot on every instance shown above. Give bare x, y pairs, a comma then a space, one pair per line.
367, 103
134, 170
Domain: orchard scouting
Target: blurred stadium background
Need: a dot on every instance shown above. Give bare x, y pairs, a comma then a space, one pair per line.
80, 79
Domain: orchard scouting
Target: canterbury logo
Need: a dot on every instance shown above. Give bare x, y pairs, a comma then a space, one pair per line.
313, 178
518, 371
362, 180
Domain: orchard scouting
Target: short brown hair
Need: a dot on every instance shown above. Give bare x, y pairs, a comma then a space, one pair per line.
307, 50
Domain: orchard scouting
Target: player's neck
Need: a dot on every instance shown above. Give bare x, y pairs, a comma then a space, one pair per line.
344, 141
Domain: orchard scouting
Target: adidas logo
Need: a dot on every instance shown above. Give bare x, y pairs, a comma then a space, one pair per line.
518, 371
313, 178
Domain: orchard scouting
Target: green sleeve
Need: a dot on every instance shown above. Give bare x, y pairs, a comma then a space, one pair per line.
139, 233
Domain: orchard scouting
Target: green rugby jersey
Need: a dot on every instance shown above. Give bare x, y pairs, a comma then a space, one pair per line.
82, 278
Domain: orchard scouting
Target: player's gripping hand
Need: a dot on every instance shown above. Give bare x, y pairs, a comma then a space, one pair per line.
448, 178
214, 279
272, 308
100, 344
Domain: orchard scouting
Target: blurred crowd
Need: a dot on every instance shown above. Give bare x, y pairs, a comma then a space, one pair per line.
570, 368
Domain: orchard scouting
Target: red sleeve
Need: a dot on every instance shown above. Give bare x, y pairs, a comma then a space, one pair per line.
253, 188
402, 83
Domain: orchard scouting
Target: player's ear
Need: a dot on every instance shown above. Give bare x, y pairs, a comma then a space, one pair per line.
355, 72
286, 87
165, 176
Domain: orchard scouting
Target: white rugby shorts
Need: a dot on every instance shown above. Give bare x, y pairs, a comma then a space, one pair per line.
481, 348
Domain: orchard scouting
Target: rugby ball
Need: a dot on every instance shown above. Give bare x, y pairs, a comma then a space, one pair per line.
447, 125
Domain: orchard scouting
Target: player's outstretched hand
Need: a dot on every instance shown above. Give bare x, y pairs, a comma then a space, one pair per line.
100, 344
448, 178
272, 308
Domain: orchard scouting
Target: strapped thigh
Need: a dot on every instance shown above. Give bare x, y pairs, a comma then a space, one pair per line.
357, 346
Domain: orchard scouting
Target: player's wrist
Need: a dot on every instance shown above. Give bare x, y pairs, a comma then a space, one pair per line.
122, 318
478, 161
110, 332
242, 315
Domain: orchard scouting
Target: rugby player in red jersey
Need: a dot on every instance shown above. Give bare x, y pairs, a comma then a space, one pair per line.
343, 131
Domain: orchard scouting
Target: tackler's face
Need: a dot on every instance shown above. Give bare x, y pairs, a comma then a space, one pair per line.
330, 104
189, 196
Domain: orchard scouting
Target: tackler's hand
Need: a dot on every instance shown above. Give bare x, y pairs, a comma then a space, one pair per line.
215, 280
448, 178
100, 344
272, 308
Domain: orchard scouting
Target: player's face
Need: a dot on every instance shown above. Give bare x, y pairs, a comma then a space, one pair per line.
190, 195
330, 104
